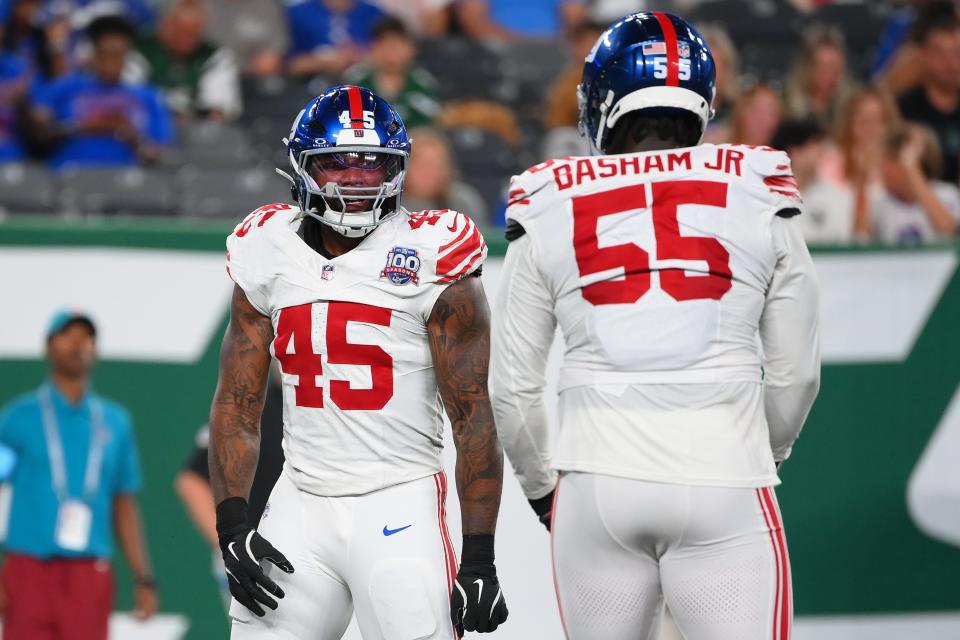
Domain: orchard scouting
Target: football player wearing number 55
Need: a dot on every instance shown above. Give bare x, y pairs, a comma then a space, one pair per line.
379, 321
661, 260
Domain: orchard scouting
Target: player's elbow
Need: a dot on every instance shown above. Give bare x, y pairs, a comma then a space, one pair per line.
507, 398
804, 382
808, 381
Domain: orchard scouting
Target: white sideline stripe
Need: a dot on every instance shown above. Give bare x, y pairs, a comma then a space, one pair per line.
917, 626
933, 491
873, 307
151, 305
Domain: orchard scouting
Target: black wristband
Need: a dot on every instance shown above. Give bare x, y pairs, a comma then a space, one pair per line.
542, 506
477, 550
232, 516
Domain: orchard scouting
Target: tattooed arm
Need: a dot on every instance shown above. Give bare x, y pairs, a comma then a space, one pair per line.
238, 400
235, 450
459, 329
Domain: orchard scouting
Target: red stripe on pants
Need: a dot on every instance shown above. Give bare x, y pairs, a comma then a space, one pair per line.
782, 608
450, 558
776, 562
786, 606
553, 559
61, 599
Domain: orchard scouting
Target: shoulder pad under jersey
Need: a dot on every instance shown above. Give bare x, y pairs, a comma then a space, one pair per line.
452, 244
771, 168
254, 247
525, 186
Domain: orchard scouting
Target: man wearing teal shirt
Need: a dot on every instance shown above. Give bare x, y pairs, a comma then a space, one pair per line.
74, 482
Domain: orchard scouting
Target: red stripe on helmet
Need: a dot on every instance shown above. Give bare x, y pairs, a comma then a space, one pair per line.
356, 107
673, 55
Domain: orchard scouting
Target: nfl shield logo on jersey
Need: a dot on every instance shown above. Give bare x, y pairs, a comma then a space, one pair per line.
683, 48
327, 272
402, 266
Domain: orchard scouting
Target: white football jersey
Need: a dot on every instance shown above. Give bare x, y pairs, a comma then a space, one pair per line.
656, 266
361, 406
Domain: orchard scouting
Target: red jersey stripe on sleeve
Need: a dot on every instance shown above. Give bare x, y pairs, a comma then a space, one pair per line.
785, 185
782, 182
459, 238
468, 267
448, 262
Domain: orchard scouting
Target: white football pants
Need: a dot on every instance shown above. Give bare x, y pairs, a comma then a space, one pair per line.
386, 555
718, 557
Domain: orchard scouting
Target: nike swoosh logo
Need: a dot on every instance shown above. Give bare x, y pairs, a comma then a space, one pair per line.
452, 227
389, 532
480, 591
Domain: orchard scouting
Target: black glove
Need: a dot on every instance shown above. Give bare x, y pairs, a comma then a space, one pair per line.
243, 549
477, 603
544, 509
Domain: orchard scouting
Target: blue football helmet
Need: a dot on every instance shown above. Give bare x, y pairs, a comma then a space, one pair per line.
349, 152
649, 61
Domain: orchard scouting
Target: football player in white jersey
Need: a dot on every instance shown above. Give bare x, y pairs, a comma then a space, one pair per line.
378, 321
662, 261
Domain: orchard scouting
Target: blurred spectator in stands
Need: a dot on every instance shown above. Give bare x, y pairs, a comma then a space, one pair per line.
254, 30
432, 181
895, 63
42, 45
92, 118
756, 116
15, 79
198, 79
328, 36
75, 484
936, 102
809, 6
610, 11
563, 111
827, 206
81, 12
818, 83
388, 71
482, 114
915, 207
193, 481
424, 18
727, 64
865, 121
507, 20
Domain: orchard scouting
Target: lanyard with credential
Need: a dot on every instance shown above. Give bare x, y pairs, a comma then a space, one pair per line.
58, 467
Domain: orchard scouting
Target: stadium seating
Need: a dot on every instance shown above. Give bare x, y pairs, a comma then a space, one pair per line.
226, 169
227, 193
464, 68
117, 191
214, 144
486, 162
27, 188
